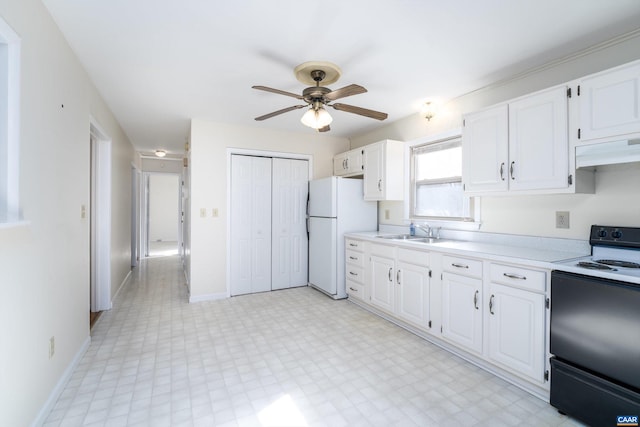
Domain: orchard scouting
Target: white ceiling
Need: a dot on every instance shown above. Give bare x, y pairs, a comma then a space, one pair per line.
159, 63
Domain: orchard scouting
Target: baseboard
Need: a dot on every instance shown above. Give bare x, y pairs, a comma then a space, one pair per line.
207, 297
60, 385
124, 281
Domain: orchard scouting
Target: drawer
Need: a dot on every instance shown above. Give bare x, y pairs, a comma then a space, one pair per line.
354, 273
466, 266
413, 257
355, 258
355, 290
383, 250
355, 245
533, 280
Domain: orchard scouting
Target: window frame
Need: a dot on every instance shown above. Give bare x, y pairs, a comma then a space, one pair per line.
10, 138
472, 222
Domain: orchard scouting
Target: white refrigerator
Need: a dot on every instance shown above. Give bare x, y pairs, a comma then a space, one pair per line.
336, 206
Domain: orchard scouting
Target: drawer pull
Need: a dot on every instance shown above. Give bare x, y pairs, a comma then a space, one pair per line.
353, 258
353, 290
453, 264
514, 276
352, 273
353, 245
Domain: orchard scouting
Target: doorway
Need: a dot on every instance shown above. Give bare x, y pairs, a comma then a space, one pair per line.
100, 222
162, 214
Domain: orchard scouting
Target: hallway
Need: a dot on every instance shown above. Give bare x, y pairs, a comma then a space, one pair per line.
285, 358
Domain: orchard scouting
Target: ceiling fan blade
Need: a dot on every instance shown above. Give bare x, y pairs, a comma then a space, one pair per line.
324, 129
275, 113
361, 111
278, 91
344, 92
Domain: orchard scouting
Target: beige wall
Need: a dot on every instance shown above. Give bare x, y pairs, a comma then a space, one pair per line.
617, 197
208, 169
44, 264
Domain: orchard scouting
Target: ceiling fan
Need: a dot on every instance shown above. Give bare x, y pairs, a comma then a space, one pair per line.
318, 97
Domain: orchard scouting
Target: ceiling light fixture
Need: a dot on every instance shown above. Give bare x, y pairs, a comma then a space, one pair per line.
161, 153
316, 117
427, 111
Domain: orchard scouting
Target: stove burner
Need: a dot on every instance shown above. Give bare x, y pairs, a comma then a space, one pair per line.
594, 266
618, 263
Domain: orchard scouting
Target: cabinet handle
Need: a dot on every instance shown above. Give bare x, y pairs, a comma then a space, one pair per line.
453, 264
514, 276
491, 304
353, 274
379, 185
347, 163
353, 258
502, 171
353, 245
398, 277
475, 300
511, 170
344, 163
390, 274
351, 289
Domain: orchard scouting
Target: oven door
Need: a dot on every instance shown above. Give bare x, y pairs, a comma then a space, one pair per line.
595, 325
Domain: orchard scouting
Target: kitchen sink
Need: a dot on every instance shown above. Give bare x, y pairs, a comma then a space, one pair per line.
408, 237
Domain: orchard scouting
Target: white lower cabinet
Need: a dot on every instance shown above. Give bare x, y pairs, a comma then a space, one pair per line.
491, 311
400, 283
516, 318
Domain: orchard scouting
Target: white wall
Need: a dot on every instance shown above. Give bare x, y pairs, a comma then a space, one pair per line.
617, 197
44, 265
163, 207
208, 169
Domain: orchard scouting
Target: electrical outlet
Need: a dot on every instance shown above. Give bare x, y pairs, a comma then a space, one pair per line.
214, 212
386, 214
83, 211
562, 219
203, 212
52, 347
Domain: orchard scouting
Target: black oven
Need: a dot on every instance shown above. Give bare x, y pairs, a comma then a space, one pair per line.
595, 343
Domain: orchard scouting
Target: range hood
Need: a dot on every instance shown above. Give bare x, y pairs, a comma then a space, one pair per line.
608, 153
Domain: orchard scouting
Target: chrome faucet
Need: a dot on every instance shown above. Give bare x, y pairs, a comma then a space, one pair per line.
426, 228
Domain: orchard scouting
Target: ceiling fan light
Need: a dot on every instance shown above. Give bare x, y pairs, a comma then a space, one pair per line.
316, 118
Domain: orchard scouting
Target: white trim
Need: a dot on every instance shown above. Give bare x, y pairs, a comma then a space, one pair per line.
258, 153
124, 282
13, 42
61, 384
208, 297
102, 249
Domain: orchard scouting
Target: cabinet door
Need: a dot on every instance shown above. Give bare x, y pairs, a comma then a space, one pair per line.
340, 164
485, 137
539, 141
373, 166
516, 330
461, 311
413, 293
382, 282
354, 161
610, 103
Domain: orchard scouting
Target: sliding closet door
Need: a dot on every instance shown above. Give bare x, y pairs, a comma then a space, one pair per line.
250, 224
289, 247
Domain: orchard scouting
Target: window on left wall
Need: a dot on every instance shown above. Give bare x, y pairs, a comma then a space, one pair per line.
9, 124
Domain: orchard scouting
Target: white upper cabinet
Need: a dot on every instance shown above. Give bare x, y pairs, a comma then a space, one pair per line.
539, 141
522, 145
485, 146
383, 170
348, 163
609, 103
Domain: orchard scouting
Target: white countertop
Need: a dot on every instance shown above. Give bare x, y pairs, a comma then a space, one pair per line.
543, 254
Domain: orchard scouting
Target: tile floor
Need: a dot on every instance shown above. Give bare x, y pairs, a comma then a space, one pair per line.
285, 358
